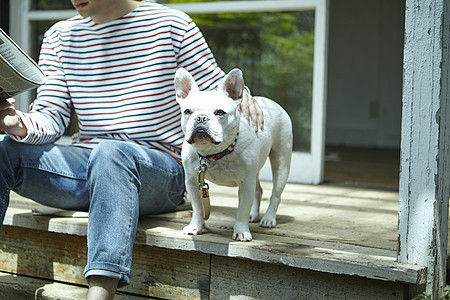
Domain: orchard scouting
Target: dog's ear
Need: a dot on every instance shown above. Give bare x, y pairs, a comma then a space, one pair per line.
233, 84
184, 83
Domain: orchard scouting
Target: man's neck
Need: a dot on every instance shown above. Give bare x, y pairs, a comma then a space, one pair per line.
116, 10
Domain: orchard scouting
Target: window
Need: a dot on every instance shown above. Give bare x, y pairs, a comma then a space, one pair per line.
279, 45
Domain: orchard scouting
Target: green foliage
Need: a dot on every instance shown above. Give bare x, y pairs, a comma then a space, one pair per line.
427, 296
446, 294
423, 296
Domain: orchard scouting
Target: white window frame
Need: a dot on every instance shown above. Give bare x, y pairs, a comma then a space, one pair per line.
306, 167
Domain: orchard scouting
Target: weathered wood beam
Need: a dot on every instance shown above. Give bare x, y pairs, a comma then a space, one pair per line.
425, 145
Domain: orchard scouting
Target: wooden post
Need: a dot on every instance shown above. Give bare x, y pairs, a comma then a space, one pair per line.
425, 145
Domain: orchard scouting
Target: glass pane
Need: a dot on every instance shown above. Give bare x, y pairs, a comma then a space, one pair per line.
37, 30
275, 52
50, 4
189, 1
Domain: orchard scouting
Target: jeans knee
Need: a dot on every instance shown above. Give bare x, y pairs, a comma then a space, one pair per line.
109, 157
109, 150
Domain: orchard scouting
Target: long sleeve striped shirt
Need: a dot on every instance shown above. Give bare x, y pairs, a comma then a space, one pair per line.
118, 78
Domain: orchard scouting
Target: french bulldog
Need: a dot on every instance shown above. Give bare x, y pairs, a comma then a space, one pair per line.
221, 146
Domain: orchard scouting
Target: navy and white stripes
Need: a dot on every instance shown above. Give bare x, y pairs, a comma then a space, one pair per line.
118, 77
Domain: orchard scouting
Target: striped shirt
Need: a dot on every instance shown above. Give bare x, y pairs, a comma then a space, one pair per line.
118, 78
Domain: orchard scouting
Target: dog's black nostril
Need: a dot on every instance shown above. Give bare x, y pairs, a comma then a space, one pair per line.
202, 118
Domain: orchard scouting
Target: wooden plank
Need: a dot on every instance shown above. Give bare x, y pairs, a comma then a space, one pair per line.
356, 216
245, 279
167, 273
425, 144
362, 221
43, 254
329, 257
328, 213
11, 287
324, 256
24, 288
156, 272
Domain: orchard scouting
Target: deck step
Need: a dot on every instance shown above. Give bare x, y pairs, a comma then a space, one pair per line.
16, 287
170, 265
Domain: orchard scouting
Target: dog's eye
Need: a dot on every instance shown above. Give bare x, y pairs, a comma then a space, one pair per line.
219, 112
187, 112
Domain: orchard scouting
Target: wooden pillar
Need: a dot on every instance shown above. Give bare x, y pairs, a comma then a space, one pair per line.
425, 145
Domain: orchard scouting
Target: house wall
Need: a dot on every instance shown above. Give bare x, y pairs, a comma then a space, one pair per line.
365, 73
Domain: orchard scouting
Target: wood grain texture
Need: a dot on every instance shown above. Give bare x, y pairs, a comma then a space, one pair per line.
328, 230
425, 153
246, 279
156, 272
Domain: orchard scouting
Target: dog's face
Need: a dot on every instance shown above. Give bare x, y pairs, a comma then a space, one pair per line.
209, 116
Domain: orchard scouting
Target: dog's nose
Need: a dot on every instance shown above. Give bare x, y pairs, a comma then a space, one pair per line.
202, 119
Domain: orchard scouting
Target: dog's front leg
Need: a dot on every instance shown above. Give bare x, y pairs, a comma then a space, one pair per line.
196, 225
246, 197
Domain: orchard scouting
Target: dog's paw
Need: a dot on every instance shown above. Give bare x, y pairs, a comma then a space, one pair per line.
268, 221
192, 229
241, 233
242, 236
254, 217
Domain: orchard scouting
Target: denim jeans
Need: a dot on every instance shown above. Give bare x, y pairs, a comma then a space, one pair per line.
116, 182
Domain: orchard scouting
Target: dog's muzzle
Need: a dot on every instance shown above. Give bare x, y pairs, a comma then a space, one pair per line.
201, 133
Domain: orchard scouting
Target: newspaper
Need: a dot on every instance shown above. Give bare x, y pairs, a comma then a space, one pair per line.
18, 72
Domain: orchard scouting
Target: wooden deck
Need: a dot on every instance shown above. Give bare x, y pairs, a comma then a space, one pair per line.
331, 241
363, 167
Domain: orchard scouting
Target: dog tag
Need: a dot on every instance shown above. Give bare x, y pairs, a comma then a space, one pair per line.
205, 200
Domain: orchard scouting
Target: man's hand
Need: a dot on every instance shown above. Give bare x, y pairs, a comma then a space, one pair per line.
10, 121
251, 111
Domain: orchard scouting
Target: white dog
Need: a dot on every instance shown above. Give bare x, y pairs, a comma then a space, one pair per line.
221, 146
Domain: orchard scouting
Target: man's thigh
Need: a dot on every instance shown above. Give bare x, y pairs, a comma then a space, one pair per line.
53, 175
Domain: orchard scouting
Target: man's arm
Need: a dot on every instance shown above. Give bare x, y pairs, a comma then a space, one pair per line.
49, 113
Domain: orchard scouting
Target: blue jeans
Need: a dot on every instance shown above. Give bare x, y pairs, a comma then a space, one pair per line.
116, 182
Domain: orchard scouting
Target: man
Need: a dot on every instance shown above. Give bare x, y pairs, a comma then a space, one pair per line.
113, 65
